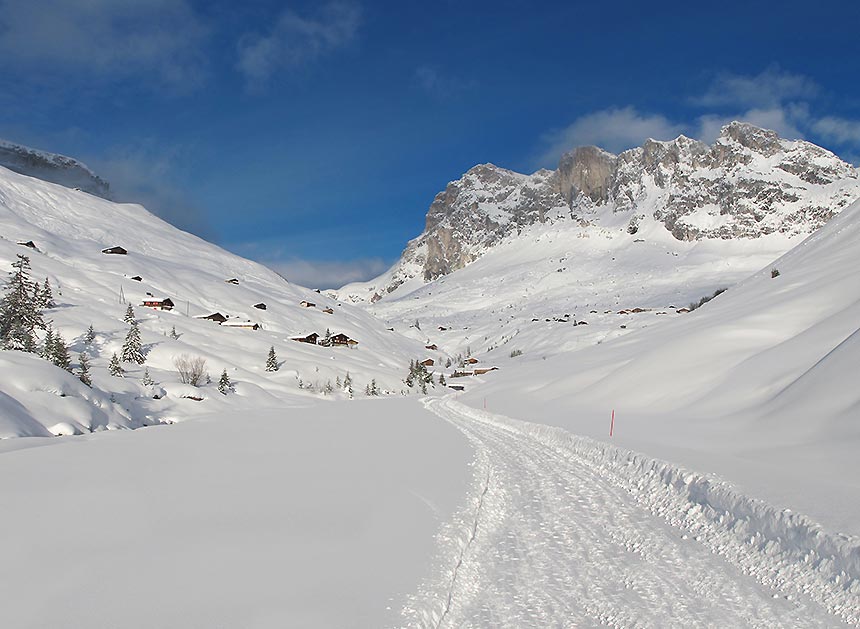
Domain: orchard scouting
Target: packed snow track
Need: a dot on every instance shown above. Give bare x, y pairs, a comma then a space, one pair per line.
569, 532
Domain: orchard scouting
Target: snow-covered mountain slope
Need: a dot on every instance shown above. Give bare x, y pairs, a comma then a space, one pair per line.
758, 385
59, 169
748, 184
69, 230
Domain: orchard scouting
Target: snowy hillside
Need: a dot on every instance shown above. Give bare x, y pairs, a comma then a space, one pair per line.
69, 229
757, 385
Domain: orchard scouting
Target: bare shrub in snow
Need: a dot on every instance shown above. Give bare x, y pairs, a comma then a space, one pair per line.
191, 369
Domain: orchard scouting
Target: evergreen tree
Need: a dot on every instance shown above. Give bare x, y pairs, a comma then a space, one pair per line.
46, 296
374, 390
327, 337
447, 363
84, 374
131, 349
224, 384
173, 333
337, 382
328, 388
48, 345
272, 360
347, 384
60, 353
129, 314
147, 379
20, 314
442, 380
115, 367
90, 336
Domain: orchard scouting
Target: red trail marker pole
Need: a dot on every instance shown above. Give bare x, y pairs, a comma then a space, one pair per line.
612, 423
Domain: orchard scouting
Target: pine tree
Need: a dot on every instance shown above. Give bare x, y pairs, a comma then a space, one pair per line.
442, 380
224, 384
147, 379
347, 384
90, 336
115, 367
20, 314
84, 374
337, 382
447, 363
173, 333
60, 353
129, 314
131, 349
272, 360
374, 390
48, 345
46, 296
328, 388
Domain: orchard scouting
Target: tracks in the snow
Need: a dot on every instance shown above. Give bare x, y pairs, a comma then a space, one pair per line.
570, 533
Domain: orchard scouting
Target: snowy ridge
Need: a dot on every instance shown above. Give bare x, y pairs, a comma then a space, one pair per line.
52, 167
787, 553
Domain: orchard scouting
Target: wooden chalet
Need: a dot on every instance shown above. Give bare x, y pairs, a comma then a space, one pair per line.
310, 339
116, 250
28, 243
431, 347
480, 371
217, 317
471, 361
245, 325
427, 362
137, 278
232, 280
328, 310
260, 306
457, 387
307, 304
161, 304
458, 373
342, 340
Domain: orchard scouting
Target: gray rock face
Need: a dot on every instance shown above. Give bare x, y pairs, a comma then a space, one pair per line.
748, 184
58, 169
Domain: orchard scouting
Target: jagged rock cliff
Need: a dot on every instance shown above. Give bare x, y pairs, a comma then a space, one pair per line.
748, 184
51, 167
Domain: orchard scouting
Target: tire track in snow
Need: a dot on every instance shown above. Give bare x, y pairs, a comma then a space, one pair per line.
563, 539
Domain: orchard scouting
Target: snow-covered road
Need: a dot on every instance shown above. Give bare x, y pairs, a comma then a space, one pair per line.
569, 532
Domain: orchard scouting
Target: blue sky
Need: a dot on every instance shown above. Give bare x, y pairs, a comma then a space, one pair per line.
312, 136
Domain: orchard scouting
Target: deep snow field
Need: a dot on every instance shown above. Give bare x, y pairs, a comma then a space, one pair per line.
728, 494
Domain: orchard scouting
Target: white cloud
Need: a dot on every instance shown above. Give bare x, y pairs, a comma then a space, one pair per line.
328, 273
97, 39
765, 91
836, 129
611, 129
295, 40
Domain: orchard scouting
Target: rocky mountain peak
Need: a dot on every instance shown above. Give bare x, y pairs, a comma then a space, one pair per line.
748, 184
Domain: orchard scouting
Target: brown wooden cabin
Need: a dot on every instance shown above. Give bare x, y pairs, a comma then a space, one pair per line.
116, 250
307, 304
457, 387
311, 339
28, 243
480, 371
427, 362
260, 306
433, 347
328, 310
232, 280
161, 304
245, 325
137, 278
442, 328
462, 374
342, 340
217, 317
471, 361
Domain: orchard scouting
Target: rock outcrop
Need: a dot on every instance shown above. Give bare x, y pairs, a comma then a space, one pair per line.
51, 167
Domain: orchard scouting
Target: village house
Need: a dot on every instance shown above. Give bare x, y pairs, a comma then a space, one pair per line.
328, 310
311, 338
161, 304
217, 317
341, 340
137, 278
307, 304
245, 325
480, 371
260, 306
461, 374
28, 243
232, 280
471, 361
432, 347
427, 362
115, 250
